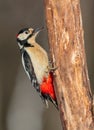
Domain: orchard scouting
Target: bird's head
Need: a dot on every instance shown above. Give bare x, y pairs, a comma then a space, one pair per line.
25, 34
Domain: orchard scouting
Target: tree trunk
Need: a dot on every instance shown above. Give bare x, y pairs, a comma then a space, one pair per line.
65, 33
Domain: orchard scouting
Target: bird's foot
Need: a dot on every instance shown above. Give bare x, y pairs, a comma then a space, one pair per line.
52, 67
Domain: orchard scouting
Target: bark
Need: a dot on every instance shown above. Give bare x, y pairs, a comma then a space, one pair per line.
72, 87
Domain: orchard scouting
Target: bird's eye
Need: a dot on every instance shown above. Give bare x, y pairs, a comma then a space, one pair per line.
26, 32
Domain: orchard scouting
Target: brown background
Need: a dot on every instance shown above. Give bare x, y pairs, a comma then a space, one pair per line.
20, 106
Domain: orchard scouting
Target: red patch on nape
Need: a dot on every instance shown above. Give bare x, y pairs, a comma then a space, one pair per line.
16, 35
47, 87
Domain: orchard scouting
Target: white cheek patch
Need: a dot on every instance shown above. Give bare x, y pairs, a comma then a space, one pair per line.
23, 36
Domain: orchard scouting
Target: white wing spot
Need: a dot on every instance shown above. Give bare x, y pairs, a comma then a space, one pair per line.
24, 67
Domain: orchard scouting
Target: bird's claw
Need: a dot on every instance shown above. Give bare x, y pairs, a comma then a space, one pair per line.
51, 68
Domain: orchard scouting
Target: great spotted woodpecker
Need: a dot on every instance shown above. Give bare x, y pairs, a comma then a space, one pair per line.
36, 64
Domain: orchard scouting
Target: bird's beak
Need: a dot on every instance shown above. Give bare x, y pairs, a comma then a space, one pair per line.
36, 31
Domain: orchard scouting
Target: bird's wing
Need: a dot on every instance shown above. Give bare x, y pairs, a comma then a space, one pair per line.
27, 63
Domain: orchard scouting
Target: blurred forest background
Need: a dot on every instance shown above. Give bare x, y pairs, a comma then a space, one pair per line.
20, 106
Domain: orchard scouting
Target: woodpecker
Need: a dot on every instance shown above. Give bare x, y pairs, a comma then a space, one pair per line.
36, 64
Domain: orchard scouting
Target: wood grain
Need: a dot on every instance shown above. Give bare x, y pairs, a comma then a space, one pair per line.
72, 87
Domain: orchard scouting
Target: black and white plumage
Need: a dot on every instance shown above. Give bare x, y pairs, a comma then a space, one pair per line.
29, 69
35, 62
